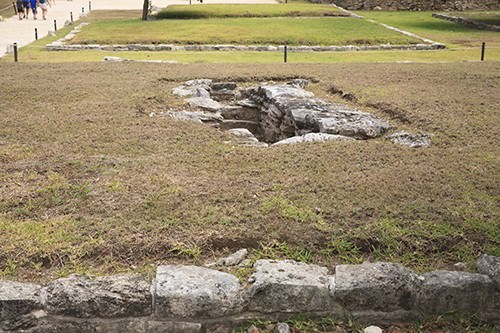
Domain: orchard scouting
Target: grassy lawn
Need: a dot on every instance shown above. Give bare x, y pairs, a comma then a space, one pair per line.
292, 31
224, 11
91, 183
492, 17
423, 24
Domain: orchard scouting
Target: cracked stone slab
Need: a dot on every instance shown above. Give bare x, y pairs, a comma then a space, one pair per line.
205, 103
197, 116
196, 292
101, 297
377, 286
18, 299
289, 286
445, 291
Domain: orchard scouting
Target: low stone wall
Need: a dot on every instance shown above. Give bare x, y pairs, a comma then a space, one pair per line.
259, 48
467, 22
191, 299
417, 4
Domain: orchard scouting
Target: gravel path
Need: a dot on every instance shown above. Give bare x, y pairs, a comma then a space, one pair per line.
12, 30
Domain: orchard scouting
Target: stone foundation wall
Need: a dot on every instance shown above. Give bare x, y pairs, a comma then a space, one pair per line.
417, 4
191, 299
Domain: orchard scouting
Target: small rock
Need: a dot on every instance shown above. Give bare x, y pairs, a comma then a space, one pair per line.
116, 59
411, 140
1, 18
460, 266
223, 86
253, 329
234, 259
67, 23
301, 83
377, 8
372, 329
282, 328
51, 33
245, 263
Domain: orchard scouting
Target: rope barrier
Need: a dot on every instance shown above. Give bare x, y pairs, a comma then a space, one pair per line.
8, 7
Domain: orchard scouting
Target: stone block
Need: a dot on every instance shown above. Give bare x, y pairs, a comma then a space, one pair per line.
289, 286
490, 265
101, 297
18, 299
446, 291
375, 286
196, 292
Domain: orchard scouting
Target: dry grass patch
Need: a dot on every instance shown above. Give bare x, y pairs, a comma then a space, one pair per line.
113, 189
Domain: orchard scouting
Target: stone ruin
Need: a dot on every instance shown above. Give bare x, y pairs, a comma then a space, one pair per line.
193, 299
275, 114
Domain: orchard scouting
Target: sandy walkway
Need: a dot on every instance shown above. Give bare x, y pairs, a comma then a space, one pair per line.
23, 32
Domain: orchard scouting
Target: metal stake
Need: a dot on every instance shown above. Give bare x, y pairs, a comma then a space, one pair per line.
15, 52
36, 34
285, 51
483, 48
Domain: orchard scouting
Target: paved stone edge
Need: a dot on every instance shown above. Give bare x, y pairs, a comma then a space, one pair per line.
62, 45
196, 299
467, 22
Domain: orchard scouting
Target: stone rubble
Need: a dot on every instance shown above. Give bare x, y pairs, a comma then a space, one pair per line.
276, 113
411, 140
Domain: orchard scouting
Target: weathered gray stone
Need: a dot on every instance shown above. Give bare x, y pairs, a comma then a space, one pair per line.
197, 116
377, 286
196, 292
282, 328
115, 59
17, 299
252, 126
191, 91
359, 125
205, 103
411, 140
490, 265
273, 92
240, 113
202, 83
313, 137
446, 291
246, 137
289, 286
234, 259
222, 86
100, 297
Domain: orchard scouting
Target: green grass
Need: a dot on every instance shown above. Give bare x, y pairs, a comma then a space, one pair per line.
492, 17
292, 31
423, 24
264, 10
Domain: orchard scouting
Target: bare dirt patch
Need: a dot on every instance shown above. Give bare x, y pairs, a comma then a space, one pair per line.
90, 182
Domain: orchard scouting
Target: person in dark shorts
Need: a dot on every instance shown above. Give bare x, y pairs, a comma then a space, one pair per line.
26, 8
34, 5
20, 9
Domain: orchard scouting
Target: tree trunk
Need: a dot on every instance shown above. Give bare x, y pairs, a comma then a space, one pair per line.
145, 10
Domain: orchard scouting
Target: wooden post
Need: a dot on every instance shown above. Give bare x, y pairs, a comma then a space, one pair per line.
483, 48
15, 52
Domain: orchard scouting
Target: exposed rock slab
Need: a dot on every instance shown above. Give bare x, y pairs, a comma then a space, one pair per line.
18, 298
313, 137
289, 286
197, 116
375, 286
442, 291
246, 137
195, 292
205, 103
490, 265
101, 297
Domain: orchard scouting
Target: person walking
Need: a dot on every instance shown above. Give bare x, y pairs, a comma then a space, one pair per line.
34, 5
26, 8
43, 7
20, 8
